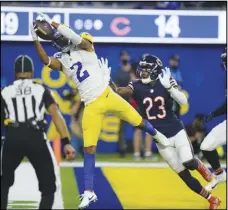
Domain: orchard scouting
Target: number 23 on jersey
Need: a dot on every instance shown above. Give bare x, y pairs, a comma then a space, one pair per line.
150, 103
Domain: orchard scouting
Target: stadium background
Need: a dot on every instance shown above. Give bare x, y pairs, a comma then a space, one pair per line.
204, 83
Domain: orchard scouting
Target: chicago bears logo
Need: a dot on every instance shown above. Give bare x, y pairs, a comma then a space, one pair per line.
159, 62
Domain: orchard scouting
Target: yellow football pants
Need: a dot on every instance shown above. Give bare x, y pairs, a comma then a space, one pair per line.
94, 112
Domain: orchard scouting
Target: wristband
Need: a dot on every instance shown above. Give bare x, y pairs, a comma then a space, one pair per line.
49, 62
65, 141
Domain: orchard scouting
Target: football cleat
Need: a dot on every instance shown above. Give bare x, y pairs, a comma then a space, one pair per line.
218, 179
221, 177
214, 202
86, 199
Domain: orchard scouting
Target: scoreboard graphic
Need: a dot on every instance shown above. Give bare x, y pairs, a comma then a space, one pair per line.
123, 26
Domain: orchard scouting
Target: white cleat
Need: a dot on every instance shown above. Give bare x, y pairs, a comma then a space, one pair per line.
86, 199
221, 177
218, 179
161, 139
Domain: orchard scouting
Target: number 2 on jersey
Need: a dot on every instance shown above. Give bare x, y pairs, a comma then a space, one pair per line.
81, 75
161, 107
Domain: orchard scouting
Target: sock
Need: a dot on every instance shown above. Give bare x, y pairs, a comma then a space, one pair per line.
147, 127
213, 159
204, 171
89, 165
193, 183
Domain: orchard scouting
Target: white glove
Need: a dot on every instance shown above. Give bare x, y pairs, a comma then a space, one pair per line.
165, 78
103, 63
33, 32
45, 17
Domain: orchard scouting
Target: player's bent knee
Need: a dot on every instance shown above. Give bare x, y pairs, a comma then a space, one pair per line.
178, 169
191, 164
206, 146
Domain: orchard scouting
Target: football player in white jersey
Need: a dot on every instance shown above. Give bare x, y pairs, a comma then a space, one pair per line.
215, 138
77, 59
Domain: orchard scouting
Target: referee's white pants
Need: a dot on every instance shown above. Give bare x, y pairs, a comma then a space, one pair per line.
215, 138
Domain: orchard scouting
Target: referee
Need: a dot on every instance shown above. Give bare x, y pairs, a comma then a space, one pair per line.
23, 106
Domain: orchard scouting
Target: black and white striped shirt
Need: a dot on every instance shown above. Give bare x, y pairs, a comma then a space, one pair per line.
25, 99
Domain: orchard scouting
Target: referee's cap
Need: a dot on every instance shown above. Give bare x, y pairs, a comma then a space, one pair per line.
23, 63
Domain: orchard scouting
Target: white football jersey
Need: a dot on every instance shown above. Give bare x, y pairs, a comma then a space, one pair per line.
82, 67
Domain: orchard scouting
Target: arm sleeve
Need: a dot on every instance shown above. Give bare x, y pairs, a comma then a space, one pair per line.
219, 111
70, 34
176, 94
48, 98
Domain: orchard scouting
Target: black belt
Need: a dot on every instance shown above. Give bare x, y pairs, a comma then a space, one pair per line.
37, 125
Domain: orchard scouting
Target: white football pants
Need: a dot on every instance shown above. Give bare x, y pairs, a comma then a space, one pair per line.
215, 138
179, 152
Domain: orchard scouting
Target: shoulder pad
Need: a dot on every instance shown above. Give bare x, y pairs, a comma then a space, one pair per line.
136, 81
132, 83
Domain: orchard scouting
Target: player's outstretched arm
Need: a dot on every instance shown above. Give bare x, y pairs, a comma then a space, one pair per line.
216, 113
75, 38
220, 111
51, 62
171, 86
68, 33
124, 91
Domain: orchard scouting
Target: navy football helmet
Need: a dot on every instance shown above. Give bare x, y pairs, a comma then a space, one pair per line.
224, 58
150, 64
61, 43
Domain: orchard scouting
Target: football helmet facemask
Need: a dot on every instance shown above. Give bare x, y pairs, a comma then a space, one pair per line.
149, 68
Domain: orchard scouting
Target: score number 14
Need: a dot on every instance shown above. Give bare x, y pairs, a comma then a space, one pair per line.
168, 26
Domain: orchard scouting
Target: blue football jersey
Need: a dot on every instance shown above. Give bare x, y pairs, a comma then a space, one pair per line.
156, 105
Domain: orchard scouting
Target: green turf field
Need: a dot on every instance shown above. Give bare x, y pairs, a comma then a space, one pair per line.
127, 181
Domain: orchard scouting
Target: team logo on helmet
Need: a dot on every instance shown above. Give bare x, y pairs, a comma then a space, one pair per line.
150, 64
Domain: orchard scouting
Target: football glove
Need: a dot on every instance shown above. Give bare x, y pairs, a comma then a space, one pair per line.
33, 33
103, 63
44, 17
164, 78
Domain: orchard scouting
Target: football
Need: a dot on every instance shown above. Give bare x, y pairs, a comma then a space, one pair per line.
43, 29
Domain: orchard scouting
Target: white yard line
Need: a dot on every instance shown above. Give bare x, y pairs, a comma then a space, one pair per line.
121, 164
